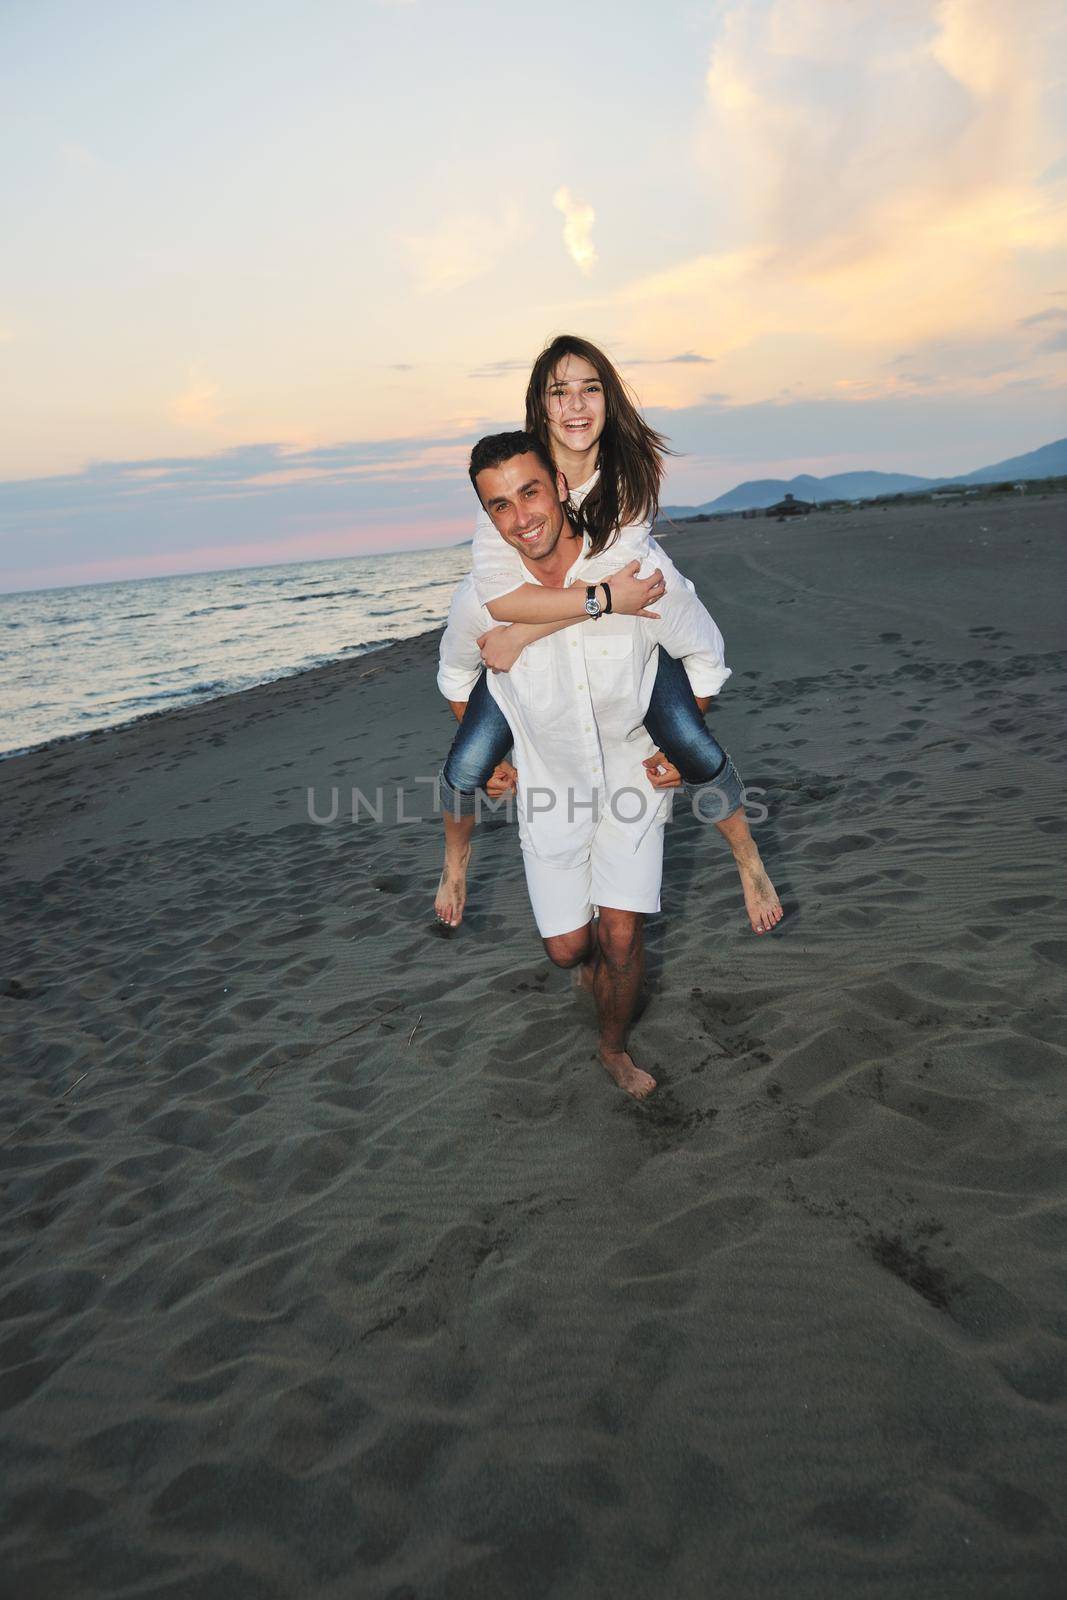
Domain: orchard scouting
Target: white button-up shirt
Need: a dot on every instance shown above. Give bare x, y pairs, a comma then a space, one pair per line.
576, 702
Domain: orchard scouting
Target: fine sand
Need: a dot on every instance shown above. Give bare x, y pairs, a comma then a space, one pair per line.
333, 1264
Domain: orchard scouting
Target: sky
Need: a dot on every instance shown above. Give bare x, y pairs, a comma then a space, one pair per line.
269, 270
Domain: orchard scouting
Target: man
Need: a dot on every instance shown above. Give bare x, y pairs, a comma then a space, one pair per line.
591, 833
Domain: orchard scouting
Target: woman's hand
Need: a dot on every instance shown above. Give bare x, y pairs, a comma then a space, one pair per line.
631, 596
502, 782
662, 773
501, 647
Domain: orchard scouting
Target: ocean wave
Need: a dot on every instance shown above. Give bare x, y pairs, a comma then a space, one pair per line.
216, 686
325, 594
101, 675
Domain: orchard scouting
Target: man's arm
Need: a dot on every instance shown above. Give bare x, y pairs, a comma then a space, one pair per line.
460, 660
688, 632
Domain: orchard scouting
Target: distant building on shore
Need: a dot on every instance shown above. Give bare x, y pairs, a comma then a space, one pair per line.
789, 507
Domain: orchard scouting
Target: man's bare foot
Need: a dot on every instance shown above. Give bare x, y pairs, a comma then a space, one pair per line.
452, 891
761, 901
628, 1076
583, 977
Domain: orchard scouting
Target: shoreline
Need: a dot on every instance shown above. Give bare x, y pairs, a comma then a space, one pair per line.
194, 705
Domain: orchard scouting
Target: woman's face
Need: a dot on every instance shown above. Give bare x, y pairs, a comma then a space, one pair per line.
575, 406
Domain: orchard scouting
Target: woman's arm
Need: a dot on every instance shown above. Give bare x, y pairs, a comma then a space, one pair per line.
535, 603
501, 647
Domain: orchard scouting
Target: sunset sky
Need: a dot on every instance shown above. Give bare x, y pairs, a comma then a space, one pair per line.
268, 270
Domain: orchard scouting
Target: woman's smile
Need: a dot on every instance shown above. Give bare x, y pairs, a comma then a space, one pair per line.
575, 407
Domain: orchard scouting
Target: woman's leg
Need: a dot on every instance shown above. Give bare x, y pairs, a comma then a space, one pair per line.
676, 723
482, 741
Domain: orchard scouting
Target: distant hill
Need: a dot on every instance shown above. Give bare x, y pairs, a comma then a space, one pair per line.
1050, 461
1047, 462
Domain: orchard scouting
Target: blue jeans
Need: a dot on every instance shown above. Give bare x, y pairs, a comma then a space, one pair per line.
673, 720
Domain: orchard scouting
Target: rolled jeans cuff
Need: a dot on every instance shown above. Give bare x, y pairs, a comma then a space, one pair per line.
719, 799
458, 802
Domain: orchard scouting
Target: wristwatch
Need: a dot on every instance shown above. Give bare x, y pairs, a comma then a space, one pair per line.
593, 607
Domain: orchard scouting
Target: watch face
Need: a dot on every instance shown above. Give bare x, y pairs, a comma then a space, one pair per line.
593, 607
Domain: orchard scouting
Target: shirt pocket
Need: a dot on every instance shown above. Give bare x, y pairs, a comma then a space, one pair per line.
609, 661
531, 673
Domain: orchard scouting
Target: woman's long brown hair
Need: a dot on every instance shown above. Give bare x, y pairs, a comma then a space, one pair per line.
631, 453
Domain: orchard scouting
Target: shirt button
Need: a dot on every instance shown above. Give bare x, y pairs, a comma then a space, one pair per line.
581, 686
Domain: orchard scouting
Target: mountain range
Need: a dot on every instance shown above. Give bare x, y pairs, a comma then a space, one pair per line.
1050, 461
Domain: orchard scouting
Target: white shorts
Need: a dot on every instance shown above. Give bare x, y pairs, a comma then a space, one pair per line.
615, 875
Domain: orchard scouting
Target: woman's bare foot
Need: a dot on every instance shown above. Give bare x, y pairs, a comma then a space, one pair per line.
629, 1077
452, 891
761, 901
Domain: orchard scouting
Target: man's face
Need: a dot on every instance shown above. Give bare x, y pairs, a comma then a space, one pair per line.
525, 504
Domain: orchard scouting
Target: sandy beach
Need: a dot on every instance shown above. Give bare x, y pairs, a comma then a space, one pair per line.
333, 1264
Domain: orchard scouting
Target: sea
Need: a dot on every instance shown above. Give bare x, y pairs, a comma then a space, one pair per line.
76, 660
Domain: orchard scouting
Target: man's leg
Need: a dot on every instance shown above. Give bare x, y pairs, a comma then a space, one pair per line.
610, 957
618, 974
575, 949
559, 898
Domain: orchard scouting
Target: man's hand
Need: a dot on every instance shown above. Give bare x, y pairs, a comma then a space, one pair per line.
502, 782
501, 647
631, 596
662, 773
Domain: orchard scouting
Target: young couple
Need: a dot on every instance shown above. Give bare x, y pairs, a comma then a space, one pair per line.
576, 644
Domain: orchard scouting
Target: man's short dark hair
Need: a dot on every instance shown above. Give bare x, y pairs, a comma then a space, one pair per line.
496, 448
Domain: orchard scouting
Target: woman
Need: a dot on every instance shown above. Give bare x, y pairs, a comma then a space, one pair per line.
579, 407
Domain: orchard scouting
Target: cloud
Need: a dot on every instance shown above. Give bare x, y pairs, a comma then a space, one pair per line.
499, 369
1053, 314
197, 405
578, 219
119, 519
686, 360
926, 433
462, 248
79, 157
872, 182
1054, 345
845, 126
